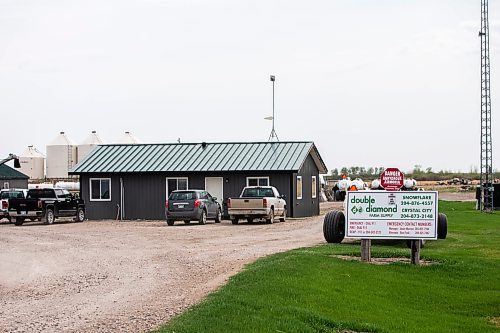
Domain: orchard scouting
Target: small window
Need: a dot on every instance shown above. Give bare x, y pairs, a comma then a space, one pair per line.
299, 187
313, 187
257, 181
100, 189
6, 185
174, 184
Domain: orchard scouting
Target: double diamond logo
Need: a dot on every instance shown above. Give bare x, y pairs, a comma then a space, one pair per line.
358, 209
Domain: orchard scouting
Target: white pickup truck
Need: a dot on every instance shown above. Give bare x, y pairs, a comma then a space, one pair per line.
256, 202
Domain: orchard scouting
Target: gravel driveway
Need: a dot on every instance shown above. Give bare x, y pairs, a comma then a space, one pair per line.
108, 276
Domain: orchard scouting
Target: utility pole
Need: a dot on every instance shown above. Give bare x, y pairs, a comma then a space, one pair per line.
486, 185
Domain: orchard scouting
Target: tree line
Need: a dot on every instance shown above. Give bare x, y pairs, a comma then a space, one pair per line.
417, 173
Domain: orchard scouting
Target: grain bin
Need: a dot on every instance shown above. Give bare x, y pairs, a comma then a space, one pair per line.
88, 145
32, 163
61, 156
128, 138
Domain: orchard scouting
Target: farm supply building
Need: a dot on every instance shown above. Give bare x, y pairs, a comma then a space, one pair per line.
132, 181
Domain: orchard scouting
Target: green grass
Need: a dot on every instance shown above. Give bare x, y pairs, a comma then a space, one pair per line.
311, 290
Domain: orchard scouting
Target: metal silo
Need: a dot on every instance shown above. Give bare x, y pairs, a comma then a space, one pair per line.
32, 163
61, 156
88, 144
128, 138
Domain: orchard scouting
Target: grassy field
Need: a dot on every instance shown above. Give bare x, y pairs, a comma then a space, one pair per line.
312, 290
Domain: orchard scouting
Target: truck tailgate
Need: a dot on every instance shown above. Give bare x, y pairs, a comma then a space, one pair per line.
247, 203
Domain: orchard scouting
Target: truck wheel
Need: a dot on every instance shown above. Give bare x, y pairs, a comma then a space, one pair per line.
235, 220
80, 215
270, 218
442, 226
19, 221
283, 219
203, 217
49, 216
170, 222
337, 195
218, 216
334, 226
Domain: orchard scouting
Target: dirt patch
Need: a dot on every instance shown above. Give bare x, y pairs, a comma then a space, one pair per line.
385, 261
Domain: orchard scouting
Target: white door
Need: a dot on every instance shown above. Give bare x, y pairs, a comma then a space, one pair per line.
214, 186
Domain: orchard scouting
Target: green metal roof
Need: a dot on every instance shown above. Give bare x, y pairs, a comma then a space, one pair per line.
199, 157
6, 172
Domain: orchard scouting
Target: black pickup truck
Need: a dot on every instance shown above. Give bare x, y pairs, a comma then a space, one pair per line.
46, 204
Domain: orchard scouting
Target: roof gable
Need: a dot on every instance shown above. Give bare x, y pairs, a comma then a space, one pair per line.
199, 157
6, 172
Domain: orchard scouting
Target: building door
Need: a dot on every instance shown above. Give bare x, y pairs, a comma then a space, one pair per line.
215, 186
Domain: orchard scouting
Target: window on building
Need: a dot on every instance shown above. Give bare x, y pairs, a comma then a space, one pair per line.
6, 185
174, 184
257, 181
299, 187
100, 189
313, 187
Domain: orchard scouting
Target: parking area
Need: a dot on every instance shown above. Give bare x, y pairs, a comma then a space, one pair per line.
106, 276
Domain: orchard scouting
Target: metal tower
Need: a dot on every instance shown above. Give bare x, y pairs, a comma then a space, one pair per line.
486, 185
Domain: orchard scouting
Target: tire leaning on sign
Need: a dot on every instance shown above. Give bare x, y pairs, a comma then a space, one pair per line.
334, 226
442, 226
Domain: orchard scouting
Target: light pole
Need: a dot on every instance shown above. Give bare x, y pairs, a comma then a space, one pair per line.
273, 134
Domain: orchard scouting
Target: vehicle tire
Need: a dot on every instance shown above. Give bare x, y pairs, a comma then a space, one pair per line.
218, 216
334, 226
9, 219
337, 195
250, 220
270, 218
187, 221
234, 220
283, 219
49, 216
170, 222
19, 221
80, 215
203, 217
442, 226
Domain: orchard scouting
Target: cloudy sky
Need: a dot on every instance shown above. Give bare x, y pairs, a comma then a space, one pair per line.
392, 83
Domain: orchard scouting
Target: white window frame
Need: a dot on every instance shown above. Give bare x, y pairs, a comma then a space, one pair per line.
176, 178
258, 178
314, 187
6, 185
297, 187
100, 193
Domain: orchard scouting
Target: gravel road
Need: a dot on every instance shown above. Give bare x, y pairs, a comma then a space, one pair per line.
109, 276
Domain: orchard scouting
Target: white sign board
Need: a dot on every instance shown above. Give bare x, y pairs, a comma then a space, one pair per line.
391, 215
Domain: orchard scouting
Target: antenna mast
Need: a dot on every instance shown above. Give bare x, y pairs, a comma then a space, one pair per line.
486, 185
273, 134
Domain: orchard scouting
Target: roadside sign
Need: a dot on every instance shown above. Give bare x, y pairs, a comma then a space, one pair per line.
391, 215
392, 179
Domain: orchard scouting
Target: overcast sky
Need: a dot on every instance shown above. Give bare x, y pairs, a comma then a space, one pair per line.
392, 83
